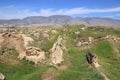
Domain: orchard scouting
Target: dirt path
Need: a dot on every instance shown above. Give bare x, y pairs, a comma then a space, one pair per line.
50, 74
101, 72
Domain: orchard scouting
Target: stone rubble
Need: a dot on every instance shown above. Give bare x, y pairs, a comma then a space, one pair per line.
79, 41
35, 55
82, 41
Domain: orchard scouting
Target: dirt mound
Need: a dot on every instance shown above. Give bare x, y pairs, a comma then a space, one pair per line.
63, 67
12, 40
9, 56
26, 39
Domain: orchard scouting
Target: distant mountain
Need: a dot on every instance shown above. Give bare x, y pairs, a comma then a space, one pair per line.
61, 20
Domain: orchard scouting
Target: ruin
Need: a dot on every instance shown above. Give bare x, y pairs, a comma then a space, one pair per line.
57, 52
35, 55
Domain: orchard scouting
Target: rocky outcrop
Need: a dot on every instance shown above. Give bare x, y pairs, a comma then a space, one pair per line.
35, 55
2, 77
56, 51
92, 60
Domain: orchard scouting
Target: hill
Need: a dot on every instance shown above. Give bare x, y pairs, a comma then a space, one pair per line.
60, 20
60, 53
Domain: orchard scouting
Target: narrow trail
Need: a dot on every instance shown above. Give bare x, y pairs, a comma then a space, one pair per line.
96, 65
101, 72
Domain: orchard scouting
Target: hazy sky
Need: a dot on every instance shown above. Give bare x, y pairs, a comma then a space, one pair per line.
10, 9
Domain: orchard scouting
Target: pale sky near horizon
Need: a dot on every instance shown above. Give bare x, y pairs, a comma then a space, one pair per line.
14, 9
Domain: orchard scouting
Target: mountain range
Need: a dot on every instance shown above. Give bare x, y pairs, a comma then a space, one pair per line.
62, 20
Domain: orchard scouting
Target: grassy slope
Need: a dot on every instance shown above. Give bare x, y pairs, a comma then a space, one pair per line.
78, 68
108, 59
74, 59
21, 72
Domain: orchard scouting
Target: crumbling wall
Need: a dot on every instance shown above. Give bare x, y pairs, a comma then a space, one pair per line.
35, 55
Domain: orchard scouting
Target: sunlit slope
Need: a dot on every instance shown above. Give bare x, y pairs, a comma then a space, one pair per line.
76, 66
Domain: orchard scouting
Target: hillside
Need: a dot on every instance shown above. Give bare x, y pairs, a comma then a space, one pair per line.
59, 20
60, 53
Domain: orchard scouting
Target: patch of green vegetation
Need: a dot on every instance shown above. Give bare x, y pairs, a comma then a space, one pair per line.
22, 72
74, 57
78, 68
108, 59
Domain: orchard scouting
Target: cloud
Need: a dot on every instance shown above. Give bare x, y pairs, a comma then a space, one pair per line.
85, 10
9, 12
74, 11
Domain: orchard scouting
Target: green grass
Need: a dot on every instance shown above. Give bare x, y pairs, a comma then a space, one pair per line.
75, 60
78, 68
22, 72
108, 59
